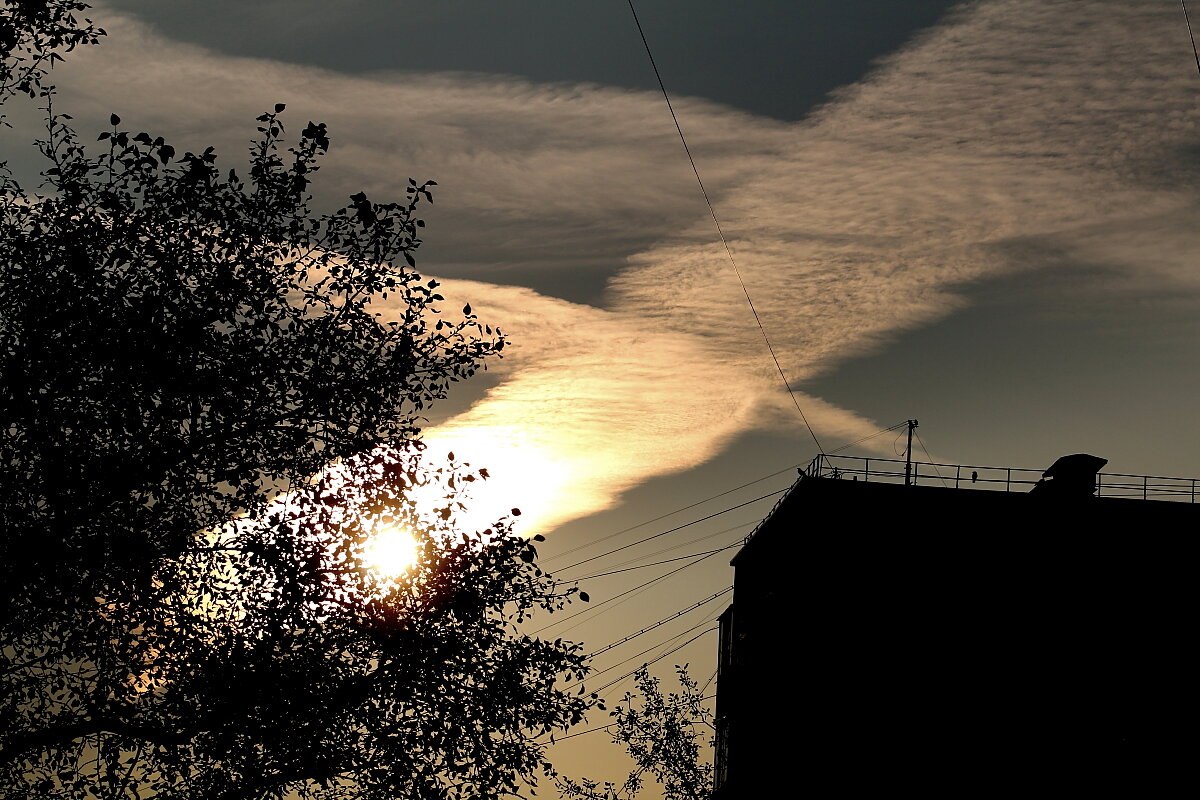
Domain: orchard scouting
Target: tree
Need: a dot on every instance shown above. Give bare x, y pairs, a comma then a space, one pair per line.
206, 414
32, 32
665, 735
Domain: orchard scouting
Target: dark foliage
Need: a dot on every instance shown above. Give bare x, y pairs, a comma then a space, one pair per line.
207, 409
666, 737
32, 34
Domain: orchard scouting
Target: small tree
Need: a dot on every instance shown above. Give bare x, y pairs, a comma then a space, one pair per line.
665, 735
207, 411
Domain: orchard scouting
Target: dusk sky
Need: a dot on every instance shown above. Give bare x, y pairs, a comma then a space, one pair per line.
981, 215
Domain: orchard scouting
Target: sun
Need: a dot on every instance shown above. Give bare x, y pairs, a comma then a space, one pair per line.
391, 551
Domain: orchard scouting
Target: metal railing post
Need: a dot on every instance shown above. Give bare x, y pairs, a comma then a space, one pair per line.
1120, 485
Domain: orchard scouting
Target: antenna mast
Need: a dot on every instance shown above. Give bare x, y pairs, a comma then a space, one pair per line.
912, 423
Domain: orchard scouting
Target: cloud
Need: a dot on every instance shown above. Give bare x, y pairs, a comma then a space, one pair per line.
1016, 127
1014, 121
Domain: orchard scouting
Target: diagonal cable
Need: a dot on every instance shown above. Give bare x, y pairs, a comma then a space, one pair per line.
762, 329
1192, 36
662, 622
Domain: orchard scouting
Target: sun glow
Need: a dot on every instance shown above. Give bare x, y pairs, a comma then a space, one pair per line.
391, 551
524, 472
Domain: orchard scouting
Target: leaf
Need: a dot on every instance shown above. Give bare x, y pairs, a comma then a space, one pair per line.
516, 512
114, 119
584, 597
467, 309
279, 107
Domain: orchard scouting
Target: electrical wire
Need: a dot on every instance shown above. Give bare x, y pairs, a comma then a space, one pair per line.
668, 514
625, 661
738, 527
654, 660
1192, 36
581, 733
672, 530
618, 596
762, 329
935, 466
865, 438
662, 622
609, 725
698, 556
665, 643
610, 536
738, 543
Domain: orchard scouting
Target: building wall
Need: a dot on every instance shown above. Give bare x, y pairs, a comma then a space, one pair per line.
885, 637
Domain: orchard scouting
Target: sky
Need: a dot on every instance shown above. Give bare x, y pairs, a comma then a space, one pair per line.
982, 216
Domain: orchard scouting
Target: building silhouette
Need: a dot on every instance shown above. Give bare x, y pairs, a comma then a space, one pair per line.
975, 632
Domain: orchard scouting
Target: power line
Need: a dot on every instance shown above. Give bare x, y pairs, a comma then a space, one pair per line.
865, 438
720, 232
662, 622
610, 536
708, 619
581, 733
738, 543
655, 660
926, 451
672, 530
1195, 53
738, 527
622, 594
637, 655
609, 725
699, 556
671, 513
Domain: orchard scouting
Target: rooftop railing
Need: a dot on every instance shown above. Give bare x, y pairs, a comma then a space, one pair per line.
1007, 479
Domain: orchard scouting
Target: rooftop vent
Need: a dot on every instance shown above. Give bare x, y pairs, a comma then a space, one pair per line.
1070, 476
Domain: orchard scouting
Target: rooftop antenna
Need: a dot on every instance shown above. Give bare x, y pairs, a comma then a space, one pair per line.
912, 423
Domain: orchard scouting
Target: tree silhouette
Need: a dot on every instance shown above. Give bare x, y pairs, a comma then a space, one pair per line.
208, 409
32, 32
666, 736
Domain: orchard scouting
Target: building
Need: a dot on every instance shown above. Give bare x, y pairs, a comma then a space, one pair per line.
982, 631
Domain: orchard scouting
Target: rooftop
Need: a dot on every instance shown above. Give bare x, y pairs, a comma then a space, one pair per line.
990, 478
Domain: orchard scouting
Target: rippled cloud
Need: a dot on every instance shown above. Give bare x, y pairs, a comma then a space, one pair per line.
1012, 133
